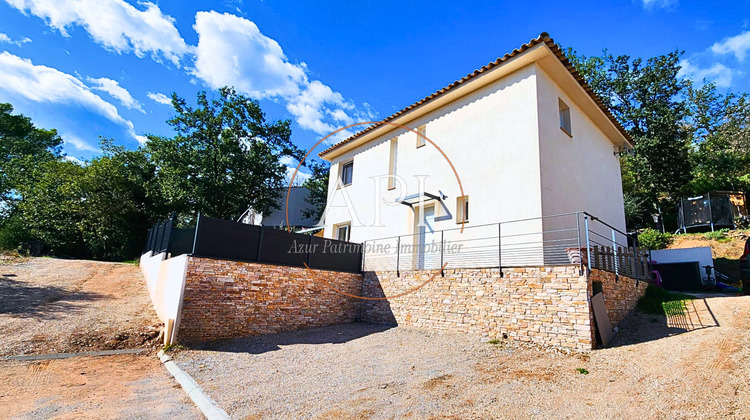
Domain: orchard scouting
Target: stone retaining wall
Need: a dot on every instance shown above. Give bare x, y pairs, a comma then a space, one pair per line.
228, 299
620, 295
543, 305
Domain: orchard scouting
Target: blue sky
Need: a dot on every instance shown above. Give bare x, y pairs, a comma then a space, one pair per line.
103, 67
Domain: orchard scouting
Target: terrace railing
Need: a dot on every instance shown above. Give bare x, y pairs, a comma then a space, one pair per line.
561, 239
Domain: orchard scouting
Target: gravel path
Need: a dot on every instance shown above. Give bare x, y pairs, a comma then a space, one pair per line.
693, 366
64, 306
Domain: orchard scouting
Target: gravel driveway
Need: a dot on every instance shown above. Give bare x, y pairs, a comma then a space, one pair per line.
693, 366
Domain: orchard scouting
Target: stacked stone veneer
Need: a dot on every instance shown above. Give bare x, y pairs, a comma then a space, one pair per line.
544, 305
227, 299
621, 294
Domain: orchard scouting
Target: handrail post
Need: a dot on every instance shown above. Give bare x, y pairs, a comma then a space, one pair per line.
499, 248
614, 254
578, 237
398, 255
442, 247
588, 241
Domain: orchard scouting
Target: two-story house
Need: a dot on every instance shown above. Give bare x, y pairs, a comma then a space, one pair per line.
524, 134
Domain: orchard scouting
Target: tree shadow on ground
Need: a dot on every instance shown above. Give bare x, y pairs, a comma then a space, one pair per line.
262, 343
639, 327
25, 300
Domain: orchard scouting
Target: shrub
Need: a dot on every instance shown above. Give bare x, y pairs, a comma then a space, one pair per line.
717, 235
653, 239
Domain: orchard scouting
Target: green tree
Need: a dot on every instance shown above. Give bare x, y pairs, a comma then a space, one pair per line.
119, 202
646, 97
23, 147
224, 157
51, 207
720, 131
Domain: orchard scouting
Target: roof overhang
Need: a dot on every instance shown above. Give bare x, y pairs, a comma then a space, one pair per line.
541, 50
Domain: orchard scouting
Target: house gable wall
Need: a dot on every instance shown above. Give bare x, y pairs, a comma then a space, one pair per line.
489, 136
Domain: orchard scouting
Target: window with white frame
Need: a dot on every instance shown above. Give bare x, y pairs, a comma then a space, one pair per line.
564, 110
462, 209
347, 172
343, 232
392, 164
421, 134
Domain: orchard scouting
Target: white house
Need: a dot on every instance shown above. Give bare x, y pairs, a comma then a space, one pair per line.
526, 137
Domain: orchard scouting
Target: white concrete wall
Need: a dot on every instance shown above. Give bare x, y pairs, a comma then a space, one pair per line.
702, 255
165, 280
579, 172
490, 136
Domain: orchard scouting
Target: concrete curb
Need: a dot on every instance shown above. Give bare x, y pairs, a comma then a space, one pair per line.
193, 390
55, 356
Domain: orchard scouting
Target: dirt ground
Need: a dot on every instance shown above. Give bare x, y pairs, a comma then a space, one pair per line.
107, 387
68, 306
689, 366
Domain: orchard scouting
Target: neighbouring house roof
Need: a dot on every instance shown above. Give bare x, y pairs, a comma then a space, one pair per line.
297, 205
543, 38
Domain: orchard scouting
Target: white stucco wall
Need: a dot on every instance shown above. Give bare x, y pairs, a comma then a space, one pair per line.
488, 135
579, 172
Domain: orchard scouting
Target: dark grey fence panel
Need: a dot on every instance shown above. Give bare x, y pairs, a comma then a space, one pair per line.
224, 239
330, 254
182, 241
281, 247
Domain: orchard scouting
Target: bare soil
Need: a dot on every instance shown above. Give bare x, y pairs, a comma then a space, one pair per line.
67, 306
108, 387
693, 365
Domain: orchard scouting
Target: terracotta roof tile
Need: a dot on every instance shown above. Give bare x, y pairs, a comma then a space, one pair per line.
542, 38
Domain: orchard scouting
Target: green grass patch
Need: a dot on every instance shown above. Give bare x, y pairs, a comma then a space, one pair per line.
494, 341
582, 371
663, 302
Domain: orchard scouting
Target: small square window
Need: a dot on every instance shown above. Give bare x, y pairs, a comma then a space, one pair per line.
421, 134
462, 209
347, 173
565, 118
343, 232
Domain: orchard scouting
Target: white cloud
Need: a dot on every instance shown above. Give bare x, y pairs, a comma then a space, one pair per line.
75, 160
659, 4
8, 40
45, 84
160, 98
232, 51
113, 88
115, 24
78, 143
737, 45
717, 73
